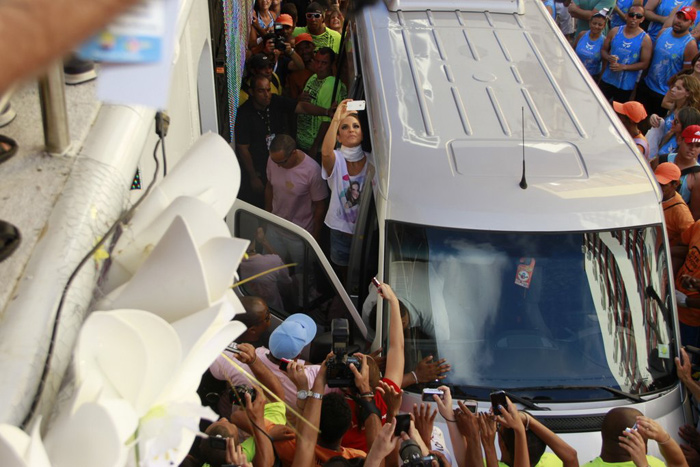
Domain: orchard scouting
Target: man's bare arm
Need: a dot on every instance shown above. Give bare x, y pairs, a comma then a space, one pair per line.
49, 29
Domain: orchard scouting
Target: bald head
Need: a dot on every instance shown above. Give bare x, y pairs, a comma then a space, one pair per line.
615, 422
256, 318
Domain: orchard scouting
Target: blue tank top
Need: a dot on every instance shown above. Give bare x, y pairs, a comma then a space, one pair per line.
263, 24
615, 19
589, 53
550, 4
671, 145
665, 8
628, 51
666, 61
683, 189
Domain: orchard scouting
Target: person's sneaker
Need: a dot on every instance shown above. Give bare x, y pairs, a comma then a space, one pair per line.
78, 71
7, 114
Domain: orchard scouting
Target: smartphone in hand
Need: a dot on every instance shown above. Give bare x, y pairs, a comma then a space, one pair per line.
284, 363
403, 423
428, 394
498, 398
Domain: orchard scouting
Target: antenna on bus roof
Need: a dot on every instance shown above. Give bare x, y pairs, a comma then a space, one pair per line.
523, 182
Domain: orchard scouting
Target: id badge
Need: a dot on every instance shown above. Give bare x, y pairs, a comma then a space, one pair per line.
134, 37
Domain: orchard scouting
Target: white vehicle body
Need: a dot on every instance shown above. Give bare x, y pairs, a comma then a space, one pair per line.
446, 84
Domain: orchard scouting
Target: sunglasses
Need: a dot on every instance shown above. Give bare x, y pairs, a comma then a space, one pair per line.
635, 15
313, 15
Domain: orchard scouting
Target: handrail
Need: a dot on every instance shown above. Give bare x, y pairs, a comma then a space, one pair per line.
54, 115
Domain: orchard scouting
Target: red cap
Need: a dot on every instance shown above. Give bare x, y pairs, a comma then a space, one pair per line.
691, 134
688, 12
667, 172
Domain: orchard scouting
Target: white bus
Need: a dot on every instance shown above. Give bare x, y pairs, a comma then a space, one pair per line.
560, 292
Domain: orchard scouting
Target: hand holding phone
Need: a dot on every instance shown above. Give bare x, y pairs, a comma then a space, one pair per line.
403, 424
284, 363
376, 282
428, 394
354, 106
498, 399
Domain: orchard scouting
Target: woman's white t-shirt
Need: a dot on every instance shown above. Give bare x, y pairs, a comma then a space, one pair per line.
345, 194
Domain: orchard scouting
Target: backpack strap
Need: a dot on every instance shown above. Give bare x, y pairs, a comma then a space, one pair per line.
690, 170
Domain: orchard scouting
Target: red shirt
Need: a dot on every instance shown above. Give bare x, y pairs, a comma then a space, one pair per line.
355, 436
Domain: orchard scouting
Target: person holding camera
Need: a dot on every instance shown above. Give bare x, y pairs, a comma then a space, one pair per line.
362, 398
286, 343
327, 418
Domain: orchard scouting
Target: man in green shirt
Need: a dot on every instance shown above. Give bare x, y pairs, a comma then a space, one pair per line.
583, 11
316, 26
319, 89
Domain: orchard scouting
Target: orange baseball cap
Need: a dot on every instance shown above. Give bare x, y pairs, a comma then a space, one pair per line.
667, 172
285, 19
632, 109
303, 37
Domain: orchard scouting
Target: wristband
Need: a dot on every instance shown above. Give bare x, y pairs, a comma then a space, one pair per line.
527, 421
367, 394
367, 408
415, 376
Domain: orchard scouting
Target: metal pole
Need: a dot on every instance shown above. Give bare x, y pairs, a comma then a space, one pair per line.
53, 110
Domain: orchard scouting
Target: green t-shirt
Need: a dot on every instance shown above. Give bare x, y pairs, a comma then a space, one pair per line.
598, 462
321, 92
329, 38
581, 24
548, 459
276, 414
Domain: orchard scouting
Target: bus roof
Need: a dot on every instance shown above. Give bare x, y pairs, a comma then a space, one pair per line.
448, 91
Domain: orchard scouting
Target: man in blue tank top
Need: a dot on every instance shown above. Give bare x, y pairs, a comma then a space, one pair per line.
627, 50
673, 51
657, 12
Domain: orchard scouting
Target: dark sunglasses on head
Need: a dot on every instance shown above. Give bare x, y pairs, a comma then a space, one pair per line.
313, 15
636, 15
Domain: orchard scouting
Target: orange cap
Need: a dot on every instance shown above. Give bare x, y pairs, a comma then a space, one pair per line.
303, 37
667, 172
632, 109
285, 19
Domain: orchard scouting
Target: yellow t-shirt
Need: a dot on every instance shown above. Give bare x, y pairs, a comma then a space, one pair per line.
598, 462
275, 414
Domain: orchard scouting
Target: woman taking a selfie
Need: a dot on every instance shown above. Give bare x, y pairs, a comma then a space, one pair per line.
345, 169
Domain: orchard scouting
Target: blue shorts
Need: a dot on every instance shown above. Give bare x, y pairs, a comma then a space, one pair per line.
340, 247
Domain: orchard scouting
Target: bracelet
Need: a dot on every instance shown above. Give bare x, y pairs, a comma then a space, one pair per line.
367, 394
415, 376
448, 420
254, 360
667, 440
527, 420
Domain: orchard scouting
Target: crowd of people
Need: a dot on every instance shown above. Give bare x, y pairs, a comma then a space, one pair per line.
304, 159
276, 409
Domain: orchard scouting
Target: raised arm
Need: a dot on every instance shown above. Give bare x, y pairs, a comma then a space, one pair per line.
328, 146
510, 418
668, 447
264, 453
395, 355
308, 432
566, 453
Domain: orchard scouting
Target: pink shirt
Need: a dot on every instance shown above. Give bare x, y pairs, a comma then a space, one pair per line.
224, 371
294, 190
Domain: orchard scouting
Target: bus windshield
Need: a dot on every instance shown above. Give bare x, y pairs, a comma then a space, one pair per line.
548, 316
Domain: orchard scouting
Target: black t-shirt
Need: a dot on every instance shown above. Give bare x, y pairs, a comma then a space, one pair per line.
255, 127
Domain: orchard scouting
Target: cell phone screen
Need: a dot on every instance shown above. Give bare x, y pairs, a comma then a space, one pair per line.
428, 394
498, 398
403, 424
471, 405
283, 364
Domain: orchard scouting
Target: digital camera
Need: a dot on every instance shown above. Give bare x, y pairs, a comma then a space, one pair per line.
338, 372
237, 394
